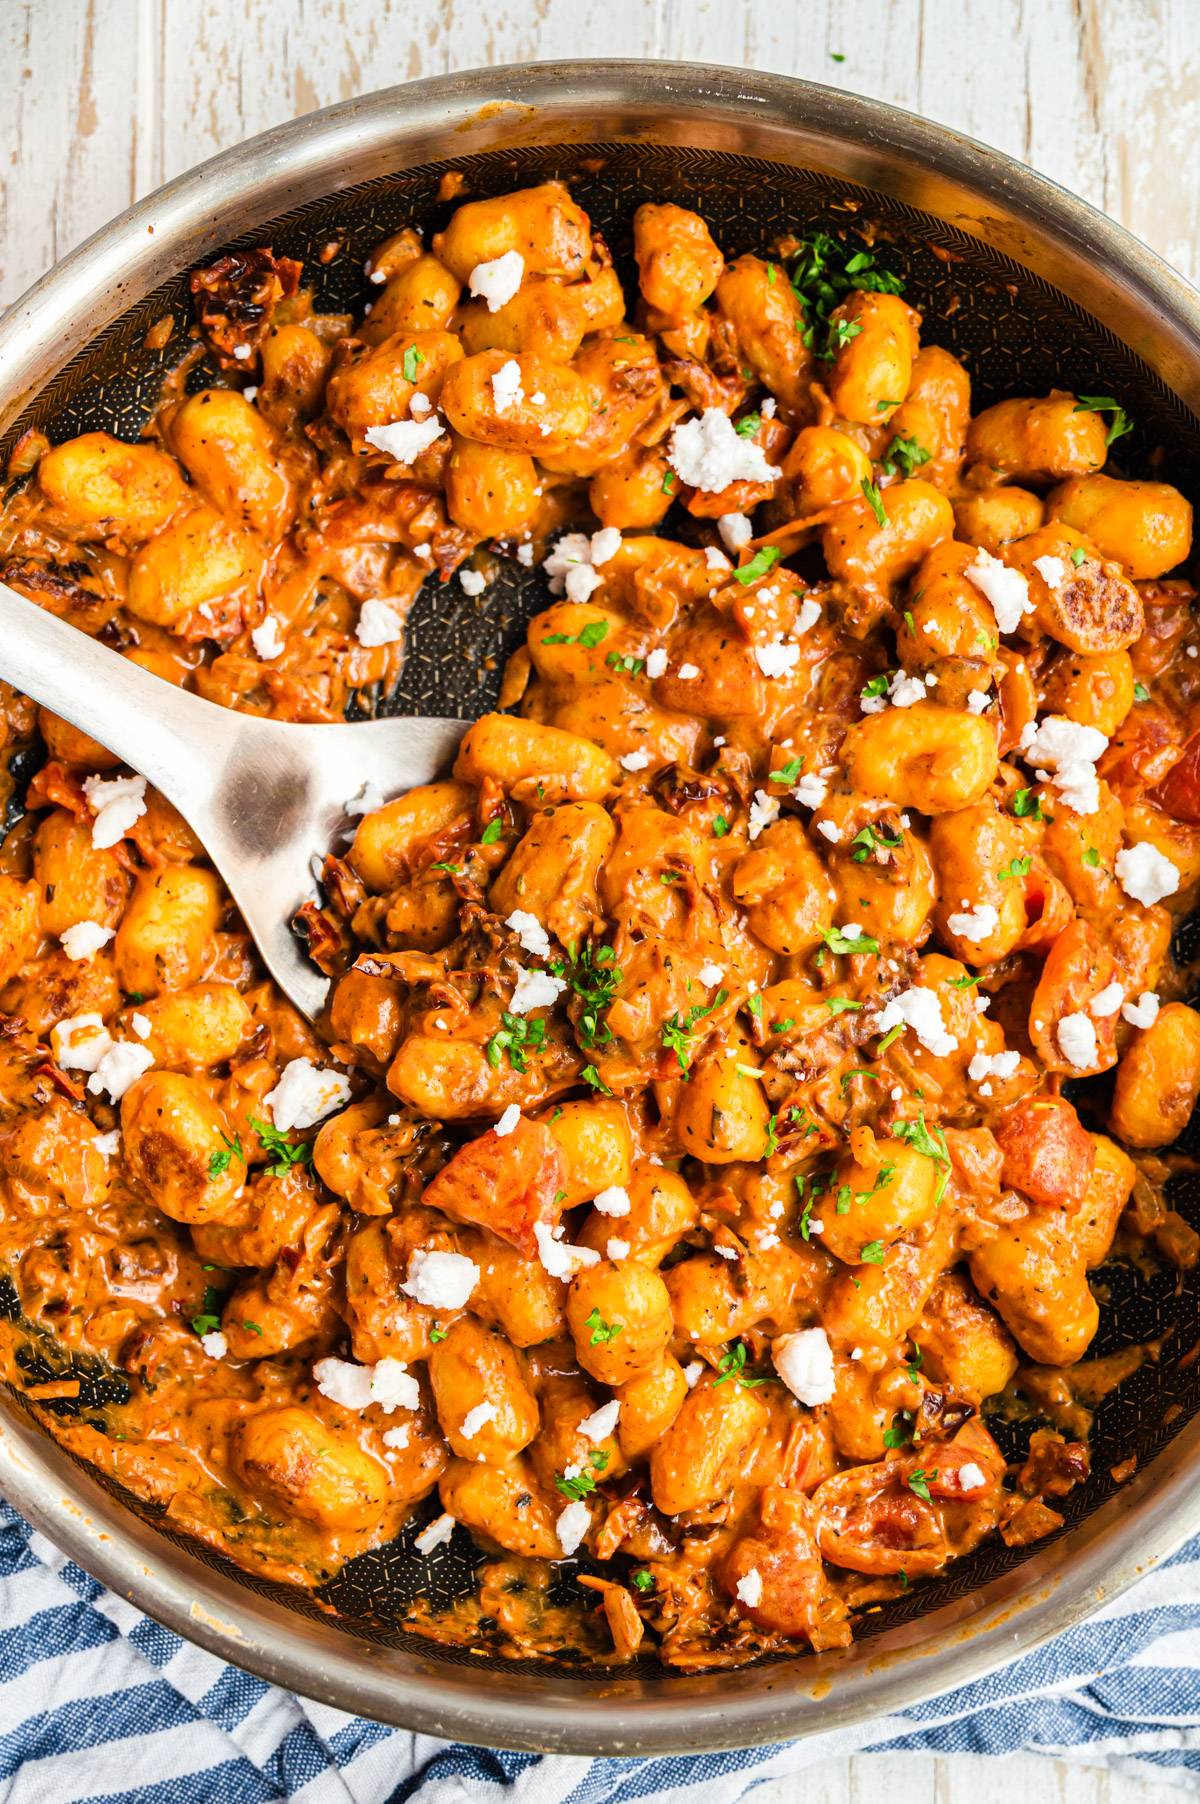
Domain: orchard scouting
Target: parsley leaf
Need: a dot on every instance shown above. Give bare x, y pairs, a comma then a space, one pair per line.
1091, 857
677, 1034
1018, 868
668, 483
732, 1364
918, 1483
581, 1484
966, 983
252, 1328
490, 834
917, 1135
748, 425
875, 500
876, 687
871, 839
1121, 423
772, 1138
763, 560
437, 1332
412, 363
589, 635
789, 772
602, 1332
904, 455
720, 826
208, 1318
839, 1005
591, 1076
625, 665
1079, 557
872, 1253
837, 941
518, 1037
1026, 804
593, 974
899, 1434
644, 1580
219, 1162
283, 1152
1140, 692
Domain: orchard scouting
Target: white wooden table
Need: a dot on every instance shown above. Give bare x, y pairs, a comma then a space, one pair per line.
106, 99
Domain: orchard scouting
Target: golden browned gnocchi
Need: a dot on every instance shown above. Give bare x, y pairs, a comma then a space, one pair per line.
687, 1156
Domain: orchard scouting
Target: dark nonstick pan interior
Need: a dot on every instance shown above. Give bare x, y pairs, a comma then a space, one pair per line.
1016, 335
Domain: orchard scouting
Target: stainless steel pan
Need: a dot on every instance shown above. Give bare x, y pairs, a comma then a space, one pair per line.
1025, 281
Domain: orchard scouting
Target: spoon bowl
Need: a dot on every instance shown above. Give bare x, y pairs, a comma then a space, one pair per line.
263, 796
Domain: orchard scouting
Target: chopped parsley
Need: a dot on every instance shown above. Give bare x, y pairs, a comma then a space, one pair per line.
283, 1153
918, 1483
582, 1484
1091, 857
891, 1036
1140, 692
252, 1328
1018, 868
208, 1319
1027, 805
591, 1076
602, 1332
412, 363
490, 834
748, 425
644, 1580
875, 500
754, 1004
732, 1364
219, 1163
910, 623
763, 560
625, 666
452, 870
437, 1332
871, 839
782, 1027
1078, 557
588, 636
789, 772
837, 941
917, 1135
899, 1434
876, 687
822, 276
904, 455
872, 1253
677, 1034
593, 975
720, 826
518, 1037
840, 1005
966, 983
772, 1138
1121, 423
668, 483
915, 1362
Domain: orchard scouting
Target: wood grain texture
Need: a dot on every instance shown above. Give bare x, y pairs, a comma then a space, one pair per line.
106, 99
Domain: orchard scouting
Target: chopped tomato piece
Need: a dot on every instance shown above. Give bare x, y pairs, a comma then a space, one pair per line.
504, 1182
1048, 1154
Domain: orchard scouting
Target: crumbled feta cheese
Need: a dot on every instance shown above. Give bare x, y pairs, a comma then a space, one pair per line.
735, 531
508, 1120
305, 1094
248, 394
688, 671
693, 1372
710, 974
1052, 571
368, 801
108, 1145
922, 1011
976, 924
725, 1252
242, 353
996, 1064
405, 440
440, 1280
1143, 1012
707, 453
767, 409
474, 582
978, 701
600, 1424
605, 544
810, 613
475, 1419
120, 1067
568, 553
904, 691
117, 803
972, 1477
85, 939
1070, 752
1007, 590
536, 989
559, 1260
497, 282
1108, 1001
613, 1201
80, 1043
388, 1383
715, 559
812, 788
141, 1026
635, 760
829, 831
572, 1526
1077, 1041
763, 810
581, 583
530, 932
396, 1437
378, 624
506, 386
616, 1249
767, 1241
776, 659
437, 1534
267, 639
656, 663
805, 1363
982, 1004
214, 1344
419, 405
525, 554
749, 1589
1145, 874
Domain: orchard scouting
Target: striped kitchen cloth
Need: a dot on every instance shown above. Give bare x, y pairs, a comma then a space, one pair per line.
99, 1703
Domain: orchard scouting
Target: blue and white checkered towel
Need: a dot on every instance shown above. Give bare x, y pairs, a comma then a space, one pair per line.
98, 1703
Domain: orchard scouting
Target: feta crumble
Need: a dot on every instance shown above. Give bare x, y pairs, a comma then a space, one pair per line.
710, 974
1108, 1001
829, 831
1077, 1041
267, 639
214, 1344
141, 1026
507, 1121
108, 1145
810, 613
1069, 751
1007, 590
536, 989
707, 453
387, 1383
715, 559
600, 1424
305, 1094
529, 931
437, 1534
616, 1249
559, 1260
749, 1589
1052, 571
764, 809
613, 1201
419, 405
85, 939
1143, 1012
475, 1419
1145, 874
474, 582
972, 1477
735, 530
805, 1363
79, 1044
692, 1373
572, 1526
405, 440
497, 282
117, 803
120, 1067
440, 1280
922, 1011
378, 624
605, 544
635, 760
777, 658
979, 701
396, 1438
688, 671
996, 1064
976, 924
656, 663
506, 386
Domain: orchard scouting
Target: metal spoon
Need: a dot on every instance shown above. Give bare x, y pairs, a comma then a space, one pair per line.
262, 795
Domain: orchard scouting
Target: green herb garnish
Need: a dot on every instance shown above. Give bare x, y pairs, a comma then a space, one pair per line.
1121, 423
219, 1163
518, 1037
875, 499
762, 561
283, 1153
602, 1332
904, 455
